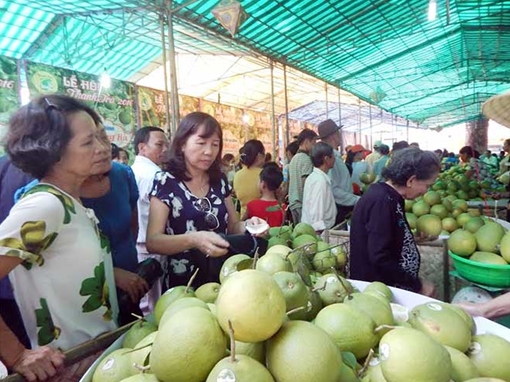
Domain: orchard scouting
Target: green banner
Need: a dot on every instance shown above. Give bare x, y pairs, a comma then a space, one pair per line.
9, 89
116, 105
151, 107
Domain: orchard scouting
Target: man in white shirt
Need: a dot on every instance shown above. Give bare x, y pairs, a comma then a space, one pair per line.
373, 156
319, 208
345, 199
151, 145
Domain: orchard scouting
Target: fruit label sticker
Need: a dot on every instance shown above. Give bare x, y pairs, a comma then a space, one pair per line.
434, 306
475, 348
384, 351
226, 375
332, 280
375, 360
108, 364
309, 306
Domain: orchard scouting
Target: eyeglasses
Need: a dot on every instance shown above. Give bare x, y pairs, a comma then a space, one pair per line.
211, 220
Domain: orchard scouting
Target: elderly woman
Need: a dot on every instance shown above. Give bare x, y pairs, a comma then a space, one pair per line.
382, 246
191, 204
49, 243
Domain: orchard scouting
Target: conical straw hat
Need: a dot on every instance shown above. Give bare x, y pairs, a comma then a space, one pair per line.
497, 108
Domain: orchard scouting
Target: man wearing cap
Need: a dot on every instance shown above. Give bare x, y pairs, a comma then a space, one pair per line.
329, 132
299, 168
371, 158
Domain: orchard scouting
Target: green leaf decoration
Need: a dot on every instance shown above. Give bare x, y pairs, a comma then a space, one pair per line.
96, 288
349, 359
48, 331
278, 207
66, 201
11, 242
105, 242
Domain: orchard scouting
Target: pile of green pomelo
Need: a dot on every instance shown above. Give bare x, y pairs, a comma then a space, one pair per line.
290, 316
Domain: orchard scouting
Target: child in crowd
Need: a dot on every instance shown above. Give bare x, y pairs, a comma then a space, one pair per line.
268, 207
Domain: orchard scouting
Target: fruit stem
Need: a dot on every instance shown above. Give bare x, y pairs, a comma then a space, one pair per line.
382, 327
136, 349
255, 258
232, 342
316, 289
342, 282
143, 369
141, 318
367, 363
295, 310
191, 280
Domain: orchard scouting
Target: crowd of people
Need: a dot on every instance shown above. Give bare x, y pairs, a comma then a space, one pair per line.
85, 222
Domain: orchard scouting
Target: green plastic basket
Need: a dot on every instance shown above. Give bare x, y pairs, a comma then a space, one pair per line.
485, 274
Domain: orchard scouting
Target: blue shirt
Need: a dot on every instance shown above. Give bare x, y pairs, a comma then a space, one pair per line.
114, 211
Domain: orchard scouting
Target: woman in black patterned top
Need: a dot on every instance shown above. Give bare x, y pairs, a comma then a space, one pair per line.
382, 246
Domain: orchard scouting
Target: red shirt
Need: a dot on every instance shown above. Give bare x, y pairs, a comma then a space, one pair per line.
258, 207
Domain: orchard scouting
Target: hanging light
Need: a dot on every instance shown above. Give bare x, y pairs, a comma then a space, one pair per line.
105, 80
230, 14
432, 10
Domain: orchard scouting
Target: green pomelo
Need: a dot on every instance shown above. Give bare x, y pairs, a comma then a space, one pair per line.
281, 250
367, 177
302, 352
462, 367
323, 260
276, 241
468, 319
303, 240
462, 243
448, 204
379, 311
449, 224
411, 219
504, 247
181, 304
432, 198
456, 212
295, 292
442, 324
487, 258
314, 306
485, 380
187, 347
473, 224
348, 375
374, 372
379, 288
409, 355
420, 208
474, 212
208, 292
169, 297
243, 369
255, 350
408, 205
114, 368
273, 263
333, 288
230, 266
254, 303
303, 229
460, 204
429, 224
284, 231
341, 256
351, 329
439, 210
489, 353
141, 377
488, 237
137, 332
140, 356
463, 218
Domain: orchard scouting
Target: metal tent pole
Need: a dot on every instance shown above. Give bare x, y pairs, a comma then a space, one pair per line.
287, 130
359, 122
327, 104
407, 131
340, 121
173, 69
165, 72
371, 126
273, 120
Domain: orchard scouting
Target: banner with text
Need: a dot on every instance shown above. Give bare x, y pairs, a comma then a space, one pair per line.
116, 105
9, 89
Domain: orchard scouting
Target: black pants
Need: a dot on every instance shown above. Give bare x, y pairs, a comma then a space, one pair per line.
341, 213
12, 317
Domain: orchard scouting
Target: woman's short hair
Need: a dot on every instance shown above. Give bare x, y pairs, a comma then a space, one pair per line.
469, 151
292, 148
409, 162
250, 150
39, 132
115, 151
190, 125
319, 152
